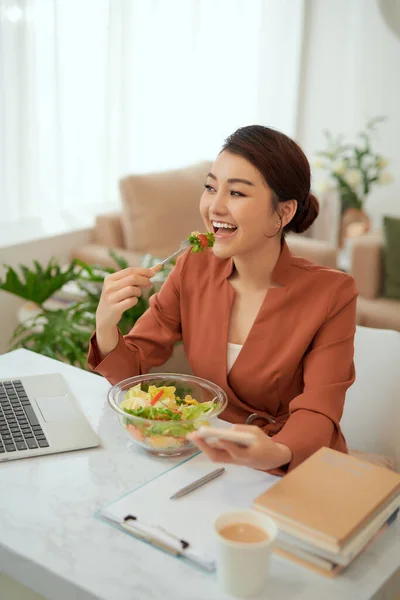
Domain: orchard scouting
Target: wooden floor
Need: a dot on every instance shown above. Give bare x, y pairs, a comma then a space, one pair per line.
11, 590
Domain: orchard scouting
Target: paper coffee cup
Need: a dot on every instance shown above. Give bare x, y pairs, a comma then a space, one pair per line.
242, 567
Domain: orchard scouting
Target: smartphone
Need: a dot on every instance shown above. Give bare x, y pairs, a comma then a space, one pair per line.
212, 435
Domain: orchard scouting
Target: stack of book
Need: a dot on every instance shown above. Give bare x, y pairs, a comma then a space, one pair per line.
330, 508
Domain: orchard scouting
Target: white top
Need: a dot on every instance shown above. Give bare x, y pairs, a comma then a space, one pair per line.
51, 542
233, 353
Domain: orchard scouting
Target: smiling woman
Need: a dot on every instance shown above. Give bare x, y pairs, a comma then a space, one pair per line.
273, 330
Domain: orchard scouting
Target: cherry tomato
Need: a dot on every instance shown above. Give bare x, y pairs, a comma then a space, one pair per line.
203, 240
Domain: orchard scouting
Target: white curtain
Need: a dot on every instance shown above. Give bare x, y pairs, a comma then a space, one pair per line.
93, 89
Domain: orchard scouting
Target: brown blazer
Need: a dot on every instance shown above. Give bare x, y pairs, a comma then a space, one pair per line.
296, 363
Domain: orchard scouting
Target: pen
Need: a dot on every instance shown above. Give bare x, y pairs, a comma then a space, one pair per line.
196, 484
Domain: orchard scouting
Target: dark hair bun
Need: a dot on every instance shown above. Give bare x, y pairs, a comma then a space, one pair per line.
305, 215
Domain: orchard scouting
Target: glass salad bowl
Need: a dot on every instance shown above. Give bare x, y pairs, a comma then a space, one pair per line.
158, 410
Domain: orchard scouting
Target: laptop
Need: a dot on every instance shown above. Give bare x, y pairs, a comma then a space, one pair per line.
39, 415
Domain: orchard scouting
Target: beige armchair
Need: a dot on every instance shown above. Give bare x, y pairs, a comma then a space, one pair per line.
159, 210
373, 310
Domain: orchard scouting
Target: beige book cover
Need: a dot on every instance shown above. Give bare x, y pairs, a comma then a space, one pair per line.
321, 570
330, 495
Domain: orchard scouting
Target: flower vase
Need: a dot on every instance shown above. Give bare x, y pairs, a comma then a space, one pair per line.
354, 222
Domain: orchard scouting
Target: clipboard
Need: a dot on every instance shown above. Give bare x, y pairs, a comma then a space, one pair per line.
184, 527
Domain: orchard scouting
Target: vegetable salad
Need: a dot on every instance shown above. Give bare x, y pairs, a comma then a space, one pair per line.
168, 411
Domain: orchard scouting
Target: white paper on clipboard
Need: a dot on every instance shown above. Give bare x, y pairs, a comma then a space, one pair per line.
190, 518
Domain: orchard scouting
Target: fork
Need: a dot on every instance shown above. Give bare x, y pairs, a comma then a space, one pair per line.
184, 245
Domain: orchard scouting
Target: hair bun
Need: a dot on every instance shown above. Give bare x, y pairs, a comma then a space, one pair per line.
306, 216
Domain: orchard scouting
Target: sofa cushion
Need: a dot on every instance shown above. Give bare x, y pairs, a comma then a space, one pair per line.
95, 254
381, 313
108, 231
316, 251
367, 264
161, 209
391, 257
376, 459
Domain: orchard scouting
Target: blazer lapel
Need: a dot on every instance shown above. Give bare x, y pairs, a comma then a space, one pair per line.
261, 348
258, 353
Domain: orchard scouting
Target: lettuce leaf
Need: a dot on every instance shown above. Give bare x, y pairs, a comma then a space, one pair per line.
194, 411
153, 412
174, 430
180, 390
211, 239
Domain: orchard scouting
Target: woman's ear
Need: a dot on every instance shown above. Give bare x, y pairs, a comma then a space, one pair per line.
287, 210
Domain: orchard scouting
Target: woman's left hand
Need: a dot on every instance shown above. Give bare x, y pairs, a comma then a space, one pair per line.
264, 454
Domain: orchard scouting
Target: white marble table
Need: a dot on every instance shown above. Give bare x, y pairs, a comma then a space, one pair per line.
50, 541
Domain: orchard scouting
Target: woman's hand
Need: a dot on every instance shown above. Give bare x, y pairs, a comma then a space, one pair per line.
264, 454
121, 291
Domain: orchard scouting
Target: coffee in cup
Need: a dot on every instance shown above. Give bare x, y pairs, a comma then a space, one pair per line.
246, 533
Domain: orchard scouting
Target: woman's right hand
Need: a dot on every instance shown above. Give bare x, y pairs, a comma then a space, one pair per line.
121, 290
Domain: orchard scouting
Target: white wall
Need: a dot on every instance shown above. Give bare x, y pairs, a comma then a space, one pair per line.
41, 250
351, 72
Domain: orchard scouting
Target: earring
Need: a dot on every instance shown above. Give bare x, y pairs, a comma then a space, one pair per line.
278, 228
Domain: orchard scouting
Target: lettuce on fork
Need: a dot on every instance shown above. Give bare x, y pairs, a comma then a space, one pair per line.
201, 241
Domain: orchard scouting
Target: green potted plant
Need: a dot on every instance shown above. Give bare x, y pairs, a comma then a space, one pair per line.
63, 333
353, 169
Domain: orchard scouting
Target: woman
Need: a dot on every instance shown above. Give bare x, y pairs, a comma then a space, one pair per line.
273, 330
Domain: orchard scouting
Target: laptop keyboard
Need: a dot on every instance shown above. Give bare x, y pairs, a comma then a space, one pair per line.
19, 427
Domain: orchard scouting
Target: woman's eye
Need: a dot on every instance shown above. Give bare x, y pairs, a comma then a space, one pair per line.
210, 188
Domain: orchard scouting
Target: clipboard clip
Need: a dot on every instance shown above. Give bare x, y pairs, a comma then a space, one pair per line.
155, 535
163, 539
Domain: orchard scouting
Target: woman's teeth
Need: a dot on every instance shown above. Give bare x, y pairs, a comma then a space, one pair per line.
223, 228
227, 225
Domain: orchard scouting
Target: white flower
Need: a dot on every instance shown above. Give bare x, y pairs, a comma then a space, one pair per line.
385, 177
339, 167
319, 164
353, 177
369, 161
381, 163
322, 186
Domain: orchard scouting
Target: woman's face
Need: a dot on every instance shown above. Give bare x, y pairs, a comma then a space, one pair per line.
237, 206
